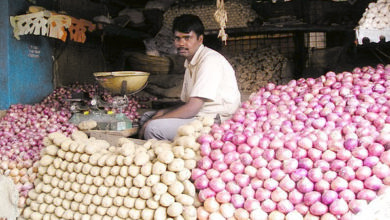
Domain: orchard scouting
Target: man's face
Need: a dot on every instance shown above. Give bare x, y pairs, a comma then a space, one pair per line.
187, 43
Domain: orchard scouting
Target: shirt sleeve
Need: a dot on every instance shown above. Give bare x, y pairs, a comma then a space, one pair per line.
208, 78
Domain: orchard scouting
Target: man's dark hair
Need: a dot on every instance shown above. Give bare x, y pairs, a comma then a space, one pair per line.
186, 23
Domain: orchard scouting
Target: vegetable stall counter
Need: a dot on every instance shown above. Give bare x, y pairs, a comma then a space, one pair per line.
309, 149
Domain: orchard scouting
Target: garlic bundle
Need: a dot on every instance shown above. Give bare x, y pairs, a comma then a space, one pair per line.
376, 16
239, 14
85, 178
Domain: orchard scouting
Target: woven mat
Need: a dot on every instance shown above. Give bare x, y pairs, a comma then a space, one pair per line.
377, 209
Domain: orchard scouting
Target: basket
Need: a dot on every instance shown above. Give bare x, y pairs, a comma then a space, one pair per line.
148, 63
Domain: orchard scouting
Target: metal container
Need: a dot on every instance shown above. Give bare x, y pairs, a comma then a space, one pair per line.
122, 82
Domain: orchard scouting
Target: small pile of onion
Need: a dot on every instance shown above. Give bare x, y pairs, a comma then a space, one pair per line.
313, 148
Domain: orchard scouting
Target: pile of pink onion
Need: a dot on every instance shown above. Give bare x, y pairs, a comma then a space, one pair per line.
23, 128
313, 149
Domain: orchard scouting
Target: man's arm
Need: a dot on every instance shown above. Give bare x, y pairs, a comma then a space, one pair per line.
187, 110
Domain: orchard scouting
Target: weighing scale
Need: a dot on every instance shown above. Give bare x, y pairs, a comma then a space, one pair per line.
121, 85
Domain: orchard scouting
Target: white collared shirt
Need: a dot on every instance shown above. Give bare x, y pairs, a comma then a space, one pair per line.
209, 75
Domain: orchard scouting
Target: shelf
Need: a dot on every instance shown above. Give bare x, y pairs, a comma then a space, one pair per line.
114, 30
282, 28
372, 35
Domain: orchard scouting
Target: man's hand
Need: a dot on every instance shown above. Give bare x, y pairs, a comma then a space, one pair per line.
160, 113
141, 131
188, 110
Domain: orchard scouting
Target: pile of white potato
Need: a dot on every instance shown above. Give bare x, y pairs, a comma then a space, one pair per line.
376, 16
256, 68
86, 178
239, 13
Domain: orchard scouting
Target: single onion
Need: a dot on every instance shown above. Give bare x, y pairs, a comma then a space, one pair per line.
375, 149
233, 187
237, 167
277, 174
339, 184
223, 197
346, 173
305, 185
196, 173
381, 170
242, 180
285, 206
268, 205
366, 194
212, 173
302, 208
338, 207
270, 184
295, 197
311, 197
371, 161
250, 171
201, 182
227, 176
363, 173
373, 183
204, 163
315, 174
287, 184
205, 194
385, 157
330, 175
263, 173
259, 162
357, 205
219, 165
217, 184
278, 195
251, 204
262, 194
248, 192
289, 165
216, 155
318, 209
237, 201
298, 174
328, 197
228, 147
321, 185
356, 185
347, 195
205, 149
256, 183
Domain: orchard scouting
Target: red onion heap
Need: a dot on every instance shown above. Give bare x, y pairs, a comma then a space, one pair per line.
312, 148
